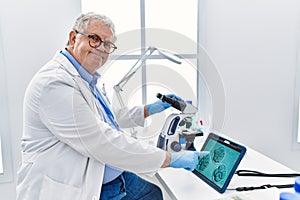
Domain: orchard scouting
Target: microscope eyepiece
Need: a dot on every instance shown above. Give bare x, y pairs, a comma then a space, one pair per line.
159, 95
179, 105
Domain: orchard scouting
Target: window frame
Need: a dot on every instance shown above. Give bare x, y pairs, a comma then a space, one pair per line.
296, 114
5, 151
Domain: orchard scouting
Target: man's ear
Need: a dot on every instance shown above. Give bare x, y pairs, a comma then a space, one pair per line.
72, 38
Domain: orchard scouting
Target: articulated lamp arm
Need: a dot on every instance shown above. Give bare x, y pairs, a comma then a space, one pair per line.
119, 86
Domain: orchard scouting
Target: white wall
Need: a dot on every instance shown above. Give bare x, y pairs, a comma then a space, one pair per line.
254, 45
32, 31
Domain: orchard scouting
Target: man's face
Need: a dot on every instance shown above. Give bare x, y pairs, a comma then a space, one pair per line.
90, 58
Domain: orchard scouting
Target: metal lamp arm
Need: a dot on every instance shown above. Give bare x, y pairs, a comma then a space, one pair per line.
119, 86
134, 68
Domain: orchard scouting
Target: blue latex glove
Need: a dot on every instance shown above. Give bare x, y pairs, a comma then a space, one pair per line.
160, 106
187, 159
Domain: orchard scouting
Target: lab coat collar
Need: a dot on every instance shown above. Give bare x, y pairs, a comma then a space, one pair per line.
60, 58
90, 78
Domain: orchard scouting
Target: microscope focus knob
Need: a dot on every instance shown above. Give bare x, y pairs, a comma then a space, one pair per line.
176, 146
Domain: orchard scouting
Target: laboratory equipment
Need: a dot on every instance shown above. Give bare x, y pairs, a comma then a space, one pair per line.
180, 129
182, 106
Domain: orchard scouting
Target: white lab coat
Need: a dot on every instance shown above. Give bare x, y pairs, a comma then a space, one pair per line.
66, 144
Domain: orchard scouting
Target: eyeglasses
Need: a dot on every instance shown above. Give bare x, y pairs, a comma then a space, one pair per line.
95, 41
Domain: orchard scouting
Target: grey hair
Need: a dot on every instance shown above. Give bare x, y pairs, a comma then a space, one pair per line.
82, 21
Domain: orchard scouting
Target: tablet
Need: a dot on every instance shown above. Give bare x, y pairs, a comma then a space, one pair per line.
217, 168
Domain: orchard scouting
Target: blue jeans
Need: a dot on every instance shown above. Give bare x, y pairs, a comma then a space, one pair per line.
129, 186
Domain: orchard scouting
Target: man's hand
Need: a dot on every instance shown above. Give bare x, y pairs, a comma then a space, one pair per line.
160, 106
187, 159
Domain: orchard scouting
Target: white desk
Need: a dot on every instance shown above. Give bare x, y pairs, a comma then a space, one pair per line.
182, 184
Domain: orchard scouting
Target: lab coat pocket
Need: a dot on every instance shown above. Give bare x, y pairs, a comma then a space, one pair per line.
53, 190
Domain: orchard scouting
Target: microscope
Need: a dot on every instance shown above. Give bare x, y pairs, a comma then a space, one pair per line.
179, 130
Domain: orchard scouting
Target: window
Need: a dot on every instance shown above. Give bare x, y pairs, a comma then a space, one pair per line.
177, 16
125, 14
159, 24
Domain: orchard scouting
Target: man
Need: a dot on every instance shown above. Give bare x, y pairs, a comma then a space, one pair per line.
72, 144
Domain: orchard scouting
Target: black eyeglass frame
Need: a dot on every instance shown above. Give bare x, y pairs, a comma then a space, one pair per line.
108, 46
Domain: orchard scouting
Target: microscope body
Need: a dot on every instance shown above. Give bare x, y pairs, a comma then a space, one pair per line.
179, 132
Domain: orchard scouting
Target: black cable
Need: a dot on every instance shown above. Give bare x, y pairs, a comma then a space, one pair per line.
240, 189
261, 174
256, 173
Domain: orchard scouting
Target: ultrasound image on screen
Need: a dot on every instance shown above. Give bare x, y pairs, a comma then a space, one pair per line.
217, 165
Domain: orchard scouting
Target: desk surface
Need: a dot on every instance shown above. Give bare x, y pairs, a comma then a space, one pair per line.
182, 184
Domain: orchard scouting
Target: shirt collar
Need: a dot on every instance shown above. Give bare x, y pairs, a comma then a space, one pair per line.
91, 79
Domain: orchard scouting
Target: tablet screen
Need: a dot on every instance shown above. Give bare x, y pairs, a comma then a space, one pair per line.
218, 167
